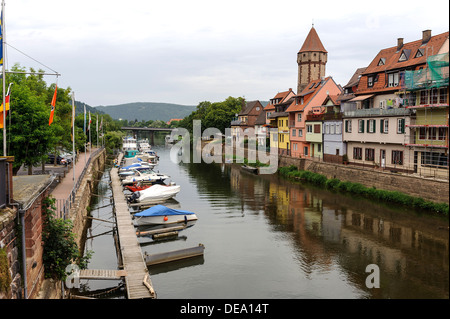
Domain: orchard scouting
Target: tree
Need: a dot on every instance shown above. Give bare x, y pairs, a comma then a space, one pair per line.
29, 136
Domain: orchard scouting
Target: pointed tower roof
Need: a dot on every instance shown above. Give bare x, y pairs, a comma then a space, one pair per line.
312, 43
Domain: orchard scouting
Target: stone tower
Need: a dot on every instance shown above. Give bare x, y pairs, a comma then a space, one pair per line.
311, 60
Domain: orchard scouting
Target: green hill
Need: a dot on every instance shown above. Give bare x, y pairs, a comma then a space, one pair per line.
147, 111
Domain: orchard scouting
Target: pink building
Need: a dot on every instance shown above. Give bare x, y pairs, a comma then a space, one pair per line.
309, 101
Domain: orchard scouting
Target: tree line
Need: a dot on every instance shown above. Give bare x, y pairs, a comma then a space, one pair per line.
29, 137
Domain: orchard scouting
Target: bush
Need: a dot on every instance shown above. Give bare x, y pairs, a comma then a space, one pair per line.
332, 183
359, 189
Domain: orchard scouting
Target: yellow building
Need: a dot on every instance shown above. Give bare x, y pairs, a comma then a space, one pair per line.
279, 119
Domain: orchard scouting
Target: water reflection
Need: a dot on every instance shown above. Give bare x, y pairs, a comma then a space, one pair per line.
266, 237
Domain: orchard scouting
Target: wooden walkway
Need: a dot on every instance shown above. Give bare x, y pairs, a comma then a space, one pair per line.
137, 279
102, 274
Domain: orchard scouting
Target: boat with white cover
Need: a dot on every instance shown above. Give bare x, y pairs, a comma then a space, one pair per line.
155, 194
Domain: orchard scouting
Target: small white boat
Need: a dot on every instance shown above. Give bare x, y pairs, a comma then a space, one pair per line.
154, 194
162, 215
151, 177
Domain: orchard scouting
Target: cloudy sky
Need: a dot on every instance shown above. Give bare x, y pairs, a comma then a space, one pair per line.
177, 51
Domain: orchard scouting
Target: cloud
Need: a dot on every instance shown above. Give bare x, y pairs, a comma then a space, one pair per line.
185, 52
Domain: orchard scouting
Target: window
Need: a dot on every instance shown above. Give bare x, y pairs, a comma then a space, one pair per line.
317, 128
300, 133
338, 128
397, 157
370, 154
332, 129
319, 148
434, 96
433, 158
382, 61
308, 128
403, 57
294, 146
443, 96
370, 126
422, 133
384, 126
327, 128
357, 153
400, 126
348, 126
294, 132
424, 97
370, 81
419, 53
432, 133
360, 126
299, 117
442, 133
393, 79
305, 150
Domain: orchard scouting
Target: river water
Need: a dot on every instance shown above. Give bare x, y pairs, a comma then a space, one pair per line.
270, 238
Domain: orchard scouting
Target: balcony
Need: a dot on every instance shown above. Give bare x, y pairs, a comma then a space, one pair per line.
378, 112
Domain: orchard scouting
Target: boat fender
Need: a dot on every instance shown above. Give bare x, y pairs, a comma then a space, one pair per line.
165, 218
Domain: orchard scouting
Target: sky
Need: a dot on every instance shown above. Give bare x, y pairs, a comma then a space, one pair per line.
112, 52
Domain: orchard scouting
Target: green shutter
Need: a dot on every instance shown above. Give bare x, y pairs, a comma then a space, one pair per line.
374, 126
368, 126
381, 126
346, 126
402, 122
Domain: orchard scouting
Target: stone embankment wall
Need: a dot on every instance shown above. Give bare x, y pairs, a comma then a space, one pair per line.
428, 189
80, 208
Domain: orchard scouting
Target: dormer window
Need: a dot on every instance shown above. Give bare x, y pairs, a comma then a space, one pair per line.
311, 86
419, 53
382, 61
404, 56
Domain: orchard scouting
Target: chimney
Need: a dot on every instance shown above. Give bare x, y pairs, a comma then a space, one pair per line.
426, 36
399, 43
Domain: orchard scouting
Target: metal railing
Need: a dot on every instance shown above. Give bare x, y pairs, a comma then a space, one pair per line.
63, 206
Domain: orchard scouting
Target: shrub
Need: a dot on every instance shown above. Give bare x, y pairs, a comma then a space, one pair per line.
332, 183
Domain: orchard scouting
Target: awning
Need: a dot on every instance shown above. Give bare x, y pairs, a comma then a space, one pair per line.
361, 98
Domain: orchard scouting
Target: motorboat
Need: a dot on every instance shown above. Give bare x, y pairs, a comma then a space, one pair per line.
131, 169
250, 169
157, 193
150, 177
137, 187
163, 215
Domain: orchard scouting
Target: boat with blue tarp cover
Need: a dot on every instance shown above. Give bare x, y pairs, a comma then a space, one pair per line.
161, 215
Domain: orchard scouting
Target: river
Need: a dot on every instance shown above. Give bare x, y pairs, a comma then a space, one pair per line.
269, 238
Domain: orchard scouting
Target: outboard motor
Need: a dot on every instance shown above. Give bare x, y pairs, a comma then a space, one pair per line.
134, 197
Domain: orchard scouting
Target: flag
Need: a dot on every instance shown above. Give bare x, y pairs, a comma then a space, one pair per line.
84, 123
7, 106
1, 39
50, 121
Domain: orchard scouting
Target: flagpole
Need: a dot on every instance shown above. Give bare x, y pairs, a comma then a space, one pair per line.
3, 77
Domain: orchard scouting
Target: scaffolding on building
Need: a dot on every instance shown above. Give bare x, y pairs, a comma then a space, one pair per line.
425, 91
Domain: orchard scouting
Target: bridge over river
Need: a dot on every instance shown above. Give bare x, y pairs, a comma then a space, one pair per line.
150, 130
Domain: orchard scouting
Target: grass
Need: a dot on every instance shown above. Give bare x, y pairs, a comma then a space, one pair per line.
367, 192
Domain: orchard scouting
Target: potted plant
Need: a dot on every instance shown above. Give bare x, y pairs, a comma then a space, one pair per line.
345, 159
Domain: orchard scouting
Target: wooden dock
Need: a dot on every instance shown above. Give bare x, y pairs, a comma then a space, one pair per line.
137, 279
102, 274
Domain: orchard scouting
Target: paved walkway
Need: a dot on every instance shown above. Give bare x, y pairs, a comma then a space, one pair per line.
62, 191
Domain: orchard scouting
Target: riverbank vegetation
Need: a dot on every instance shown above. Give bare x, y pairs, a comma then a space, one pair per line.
335, 184
60, 247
